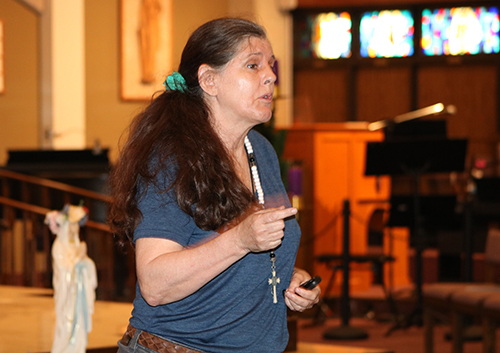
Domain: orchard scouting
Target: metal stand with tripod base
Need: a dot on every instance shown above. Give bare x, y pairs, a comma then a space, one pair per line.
345, 331
342, 262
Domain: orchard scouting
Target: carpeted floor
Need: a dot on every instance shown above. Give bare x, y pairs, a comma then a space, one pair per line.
313, 324
409, 340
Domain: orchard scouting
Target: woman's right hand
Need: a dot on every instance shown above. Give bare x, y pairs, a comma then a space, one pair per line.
263, 229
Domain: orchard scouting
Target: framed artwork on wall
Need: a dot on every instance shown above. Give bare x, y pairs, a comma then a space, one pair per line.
2, 63
146, 46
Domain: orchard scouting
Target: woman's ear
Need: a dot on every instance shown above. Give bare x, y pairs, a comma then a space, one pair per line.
206, 78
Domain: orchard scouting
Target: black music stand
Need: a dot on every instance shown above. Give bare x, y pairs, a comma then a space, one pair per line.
437, 212
415, 157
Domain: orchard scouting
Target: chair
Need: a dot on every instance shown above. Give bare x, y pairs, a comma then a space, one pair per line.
491, 315
470, 301
458, 299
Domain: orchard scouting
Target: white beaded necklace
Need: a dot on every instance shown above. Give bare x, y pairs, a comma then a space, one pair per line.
274, 280
255, 171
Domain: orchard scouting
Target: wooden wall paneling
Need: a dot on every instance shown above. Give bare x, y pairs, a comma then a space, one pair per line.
472, 90
352, 96
383, 93
321, 95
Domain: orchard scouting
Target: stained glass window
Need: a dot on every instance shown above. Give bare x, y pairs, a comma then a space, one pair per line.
325, 36
331, 35
387, 33
460, 30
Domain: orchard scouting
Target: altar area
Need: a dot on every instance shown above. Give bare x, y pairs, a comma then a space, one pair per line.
333, 158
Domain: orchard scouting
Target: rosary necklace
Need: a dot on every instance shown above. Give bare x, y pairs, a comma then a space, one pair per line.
274, 280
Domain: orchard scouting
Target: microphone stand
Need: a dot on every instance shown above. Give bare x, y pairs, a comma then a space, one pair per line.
435, 109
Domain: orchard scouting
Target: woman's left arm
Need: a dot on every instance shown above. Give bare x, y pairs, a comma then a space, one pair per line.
298, 298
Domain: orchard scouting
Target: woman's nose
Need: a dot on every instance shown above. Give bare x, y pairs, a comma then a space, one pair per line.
270, 76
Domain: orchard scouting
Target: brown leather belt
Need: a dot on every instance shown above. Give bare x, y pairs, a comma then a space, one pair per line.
154, 343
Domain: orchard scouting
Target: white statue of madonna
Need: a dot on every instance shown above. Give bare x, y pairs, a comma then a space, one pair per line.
74, 280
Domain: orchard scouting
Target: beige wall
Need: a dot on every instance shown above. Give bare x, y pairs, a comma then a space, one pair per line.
107, 115
19, 104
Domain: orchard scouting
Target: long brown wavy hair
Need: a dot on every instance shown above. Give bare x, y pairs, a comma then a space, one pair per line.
176, 128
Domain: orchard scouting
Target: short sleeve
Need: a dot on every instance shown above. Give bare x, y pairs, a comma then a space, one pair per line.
162, 218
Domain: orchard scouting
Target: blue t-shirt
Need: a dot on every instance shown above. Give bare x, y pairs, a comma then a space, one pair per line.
234, 312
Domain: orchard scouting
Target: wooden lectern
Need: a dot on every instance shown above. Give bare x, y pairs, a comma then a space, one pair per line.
333, 158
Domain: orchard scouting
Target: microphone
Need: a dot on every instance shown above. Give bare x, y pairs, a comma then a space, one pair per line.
436, 109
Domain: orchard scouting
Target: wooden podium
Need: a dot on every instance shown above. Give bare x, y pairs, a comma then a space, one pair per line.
333, 158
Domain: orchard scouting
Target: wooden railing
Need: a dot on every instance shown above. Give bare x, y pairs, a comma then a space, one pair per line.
25, 240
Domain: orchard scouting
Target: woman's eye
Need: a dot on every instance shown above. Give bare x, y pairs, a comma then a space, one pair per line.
252, 66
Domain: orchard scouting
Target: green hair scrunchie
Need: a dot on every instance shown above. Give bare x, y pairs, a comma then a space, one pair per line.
175, 82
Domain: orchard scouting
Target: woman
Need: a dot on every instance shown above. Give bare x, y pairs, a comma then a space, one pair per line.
200, 195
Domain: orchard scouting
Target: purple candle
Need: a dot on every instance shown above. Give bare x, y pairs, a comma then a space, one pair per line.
295, 180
